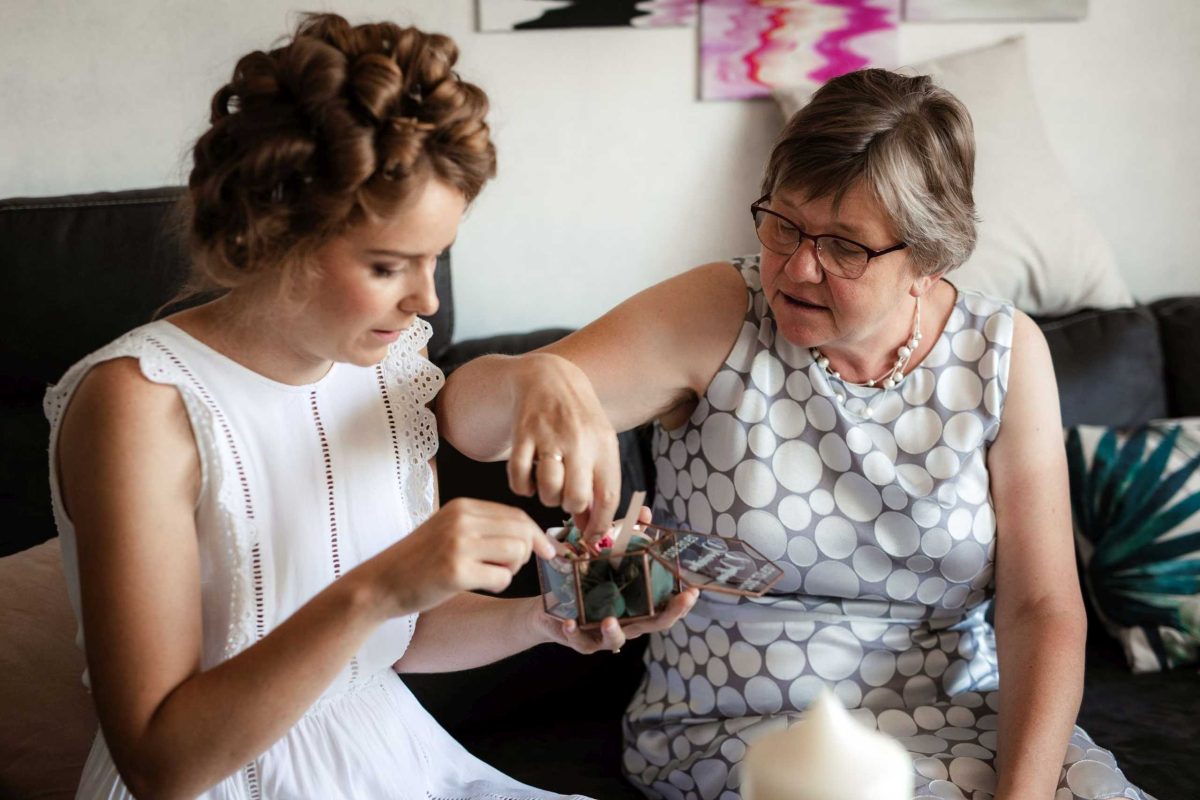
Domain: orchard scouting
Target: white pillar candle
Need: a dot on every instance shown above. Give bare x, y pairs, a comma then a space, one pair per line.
827, 755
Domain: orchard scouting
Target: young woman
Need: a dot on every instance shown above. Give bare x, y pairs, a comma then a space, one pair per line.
245, 489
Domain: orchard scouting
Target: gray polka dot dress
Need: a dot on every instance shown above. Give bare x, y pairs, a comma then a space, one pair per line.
875, 503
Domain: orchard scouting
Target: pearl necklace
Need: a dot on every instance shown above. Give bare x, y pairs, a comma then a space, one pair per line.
895, 373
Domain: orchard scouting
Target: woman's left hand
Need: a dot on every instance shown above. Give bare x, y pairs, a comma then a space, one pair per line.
611, 635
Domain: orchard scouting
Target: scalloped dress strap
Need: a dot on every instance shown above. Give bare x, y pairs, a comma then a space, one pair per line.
411, 381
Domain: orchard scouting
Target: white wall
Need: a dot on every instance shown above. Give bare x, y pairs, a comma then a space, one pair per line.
612, 174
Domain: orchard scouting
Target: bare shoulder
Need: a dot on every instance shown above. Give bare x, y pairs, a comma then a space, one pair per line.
1030, 361
119, 421
1026, 330
714, 315
117, 393
702, 306
692, 304
719, 283
720, 274
656, 350
1030, 419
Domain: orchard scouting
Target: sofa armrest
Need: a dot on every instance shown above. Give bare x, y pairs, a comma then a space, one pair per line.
48, 722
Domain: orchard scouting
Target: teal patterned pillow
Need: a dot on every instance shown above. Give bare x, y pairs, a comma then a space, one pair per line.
1135, 497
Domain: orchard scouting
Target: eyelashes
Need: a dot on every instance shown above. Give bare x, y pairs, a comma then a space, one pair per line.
388, 269
385, 270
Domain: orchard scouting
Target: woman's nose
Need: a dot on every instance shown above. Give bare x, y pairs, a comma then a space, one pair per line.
803, 264
423, 300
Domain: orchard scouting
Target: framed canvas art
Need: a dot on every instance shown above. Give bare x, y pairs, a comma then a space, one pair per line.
524, 15
749, 47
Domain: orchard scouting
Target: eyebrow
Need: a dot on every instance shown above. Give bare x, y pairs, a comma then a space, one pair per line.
392, 253
401, 254
850, 231
838, 228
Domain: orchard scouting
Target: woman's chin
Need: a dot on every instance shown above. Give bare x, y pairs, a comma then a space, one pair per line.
364, 356
802, 326
800, 338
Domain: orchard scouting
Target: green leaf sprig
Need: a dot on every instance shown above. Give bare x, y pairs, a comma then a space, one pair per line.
620, 591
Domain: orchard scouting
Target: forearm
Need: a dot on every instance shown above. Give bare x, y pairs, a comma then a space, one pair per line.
226, 716
1041, 669
475, 408
472, 630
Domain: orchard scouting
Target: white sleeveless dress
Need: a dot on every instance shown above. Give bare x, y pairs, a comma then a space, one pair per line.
299, 485
876, 505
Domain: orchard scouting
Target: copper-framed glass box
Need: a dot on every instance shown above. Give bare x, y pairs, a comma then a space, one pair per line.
658, 563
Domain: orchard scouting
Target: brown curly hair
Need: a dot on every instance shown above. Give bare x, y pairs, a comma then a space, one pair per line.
339, 125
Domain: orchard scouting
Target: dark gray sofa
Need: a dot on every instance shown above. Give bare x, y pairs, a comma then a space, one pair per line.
80, 270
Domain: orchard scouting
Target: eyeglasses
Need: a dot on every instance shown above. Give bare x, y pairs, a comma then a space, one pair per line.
837, 255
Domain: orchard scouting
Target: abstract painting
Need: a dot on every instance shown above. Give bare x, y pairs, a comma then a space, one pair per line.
988, 10
523, 15
749, 47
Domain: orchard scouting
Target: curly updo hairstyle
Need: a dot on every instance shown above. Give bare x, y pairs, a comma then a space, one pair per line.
340, 125
910, 142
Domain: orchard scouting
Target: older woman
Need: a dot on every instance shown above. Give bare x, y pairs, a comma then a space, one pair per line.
891, 441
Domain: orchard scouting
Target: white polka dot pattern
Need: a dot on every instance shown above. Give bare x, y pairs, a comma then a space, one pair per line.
877, 509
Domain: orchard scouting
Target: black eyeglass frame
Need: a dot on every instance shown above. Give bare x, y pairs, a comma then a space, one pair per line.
757, 206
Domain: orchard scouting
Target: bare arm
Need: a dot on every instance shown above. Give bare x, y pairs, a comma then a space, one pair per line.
649, 356
1040, 620
130, 473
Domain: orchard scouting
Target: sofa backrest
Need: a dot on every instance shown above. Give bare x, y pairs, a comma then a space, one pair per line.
1127, 366
1109, 366
1179, 330
79, 271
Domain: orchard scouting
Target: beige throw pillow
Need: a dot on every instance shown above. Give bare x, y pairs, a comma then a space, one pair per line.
1036, 245
47, 722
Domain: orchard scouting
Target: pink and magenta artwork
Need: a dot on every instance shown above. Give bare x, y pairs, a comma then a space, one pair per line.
749, 47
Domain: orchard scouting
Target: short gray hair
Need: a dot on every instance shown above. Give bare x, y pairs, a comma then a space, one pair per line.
910, 142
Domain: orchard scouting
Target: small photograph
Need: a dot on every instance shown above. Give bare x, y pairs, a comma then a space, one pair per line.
749, 47
993, 10
527, 15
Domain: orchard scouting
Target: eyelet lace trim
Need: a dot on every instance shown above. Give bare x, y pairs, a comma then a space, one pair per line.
411, 381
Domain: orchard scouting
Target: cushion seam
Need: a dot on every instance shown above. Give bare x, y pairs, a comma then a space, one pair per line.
1083, 317
92, 203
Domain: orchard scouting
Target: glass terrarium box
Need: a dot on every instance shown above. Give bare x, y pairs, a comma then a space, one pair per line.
588, 585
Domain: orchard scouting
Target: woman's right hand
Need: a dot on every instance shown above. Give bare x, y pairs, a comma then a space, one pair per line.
464, 546
563, 445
